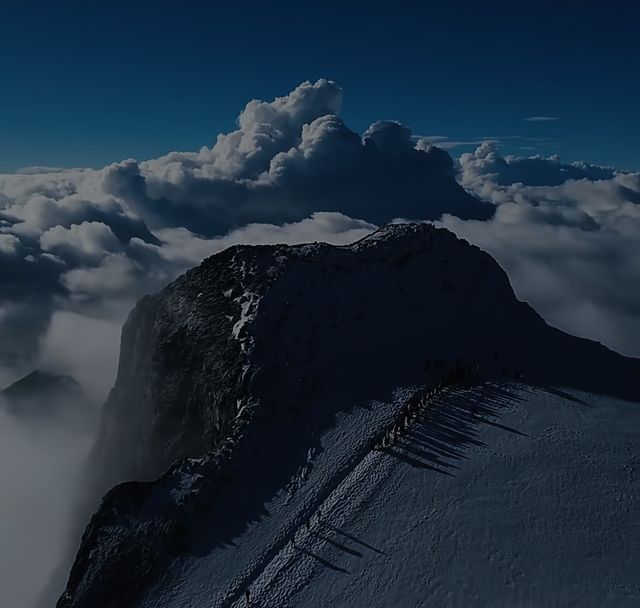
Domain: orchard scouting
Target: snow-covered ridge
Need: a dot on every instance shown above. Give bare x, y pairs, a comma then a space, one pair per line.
266, 368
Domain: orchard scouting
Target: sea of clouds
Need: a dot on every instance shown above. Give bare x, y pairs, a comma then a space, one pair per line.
81, 245
568, 236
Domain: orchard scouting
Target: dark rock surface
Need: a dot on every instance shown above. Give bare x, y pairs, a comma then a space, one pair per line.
228, 375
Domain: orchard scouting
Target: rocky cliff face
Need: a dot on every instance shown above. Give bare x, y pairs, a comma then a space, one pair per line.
164, 404
228, 377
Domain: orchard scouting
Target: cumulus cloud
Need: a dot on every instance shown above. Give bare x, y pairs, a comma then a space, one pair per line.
9, 244
568, 236
485, 165
86, 243
284, 163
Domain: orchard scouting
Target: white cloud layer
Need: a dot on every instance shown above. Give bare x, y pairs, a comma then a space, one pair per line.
568, 236
89, 242
40, 467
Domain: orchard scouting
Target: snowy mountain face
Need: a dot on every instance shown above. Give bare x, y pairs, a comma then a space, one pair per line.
257, 386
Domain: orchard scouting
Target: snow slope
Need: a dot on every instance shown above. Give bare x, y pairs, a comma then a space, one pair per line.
527, 501
263, 375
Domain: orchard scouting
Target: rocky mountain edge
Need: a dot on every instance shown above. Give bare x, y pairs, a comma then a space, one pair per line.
228, 376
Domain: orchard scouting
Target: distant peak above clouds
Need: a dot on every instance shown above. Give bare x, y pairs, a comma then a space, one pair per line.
45, 397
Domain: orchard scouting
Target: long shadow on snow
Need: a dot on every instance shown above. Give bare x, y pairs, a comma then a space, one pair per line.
323, 561
434, 441
450, 426
268, 470
354, 539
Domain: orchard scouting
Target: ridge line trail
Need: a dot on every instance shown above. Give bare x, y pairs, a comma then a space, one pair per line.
344, 492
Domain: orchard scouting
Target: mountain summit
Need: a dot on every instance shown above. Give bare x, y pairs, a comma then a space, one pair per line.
255, 383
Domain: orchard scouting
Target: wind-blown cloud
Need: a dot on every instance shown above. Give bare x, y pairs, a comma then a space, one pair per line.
541, 118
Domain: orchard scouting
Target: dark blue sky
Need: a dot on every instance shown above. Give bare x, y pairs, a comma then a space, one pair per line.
87, 83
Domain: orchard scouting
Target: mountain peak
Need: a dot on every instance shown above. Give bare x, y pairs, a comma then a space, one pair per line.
37, 383
43, 393
244, 363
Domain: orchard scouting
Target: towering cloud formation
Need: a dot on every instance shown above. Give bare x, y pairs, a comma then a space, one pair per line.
287, 159
73, 238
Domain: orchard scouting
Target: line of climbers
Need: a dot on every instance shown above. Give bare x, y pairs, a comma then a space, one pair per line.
460, 373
